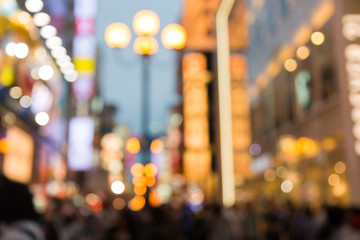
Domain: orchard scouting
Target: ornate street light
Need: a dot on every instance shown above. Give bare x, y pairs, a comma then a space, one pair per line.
146, 25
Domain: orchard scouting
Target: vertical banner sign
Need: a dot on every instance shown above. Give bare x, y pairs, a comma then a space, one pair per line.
80, 150
84, 48
240, 117
349, 65
197, 155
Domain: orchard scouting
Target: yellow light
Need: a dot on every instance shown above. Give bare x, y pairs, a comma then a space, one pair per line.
282, 172
307, 146
146, 23
117, 35
156, 146
317, 38
145, 45
290, 65
15, 92
303, 52
334, 180
137, 169
173, 36
339, 190
133, 145
137, 203
150, 170
329, 144
140, 190
340, 167
119, 203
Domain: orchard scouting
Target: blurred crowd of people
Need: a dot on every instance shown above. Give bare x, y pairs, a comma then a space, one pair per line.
19, 221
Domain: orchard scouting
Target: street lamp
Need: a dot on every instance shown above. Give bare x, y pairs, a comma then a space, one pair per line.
146, 25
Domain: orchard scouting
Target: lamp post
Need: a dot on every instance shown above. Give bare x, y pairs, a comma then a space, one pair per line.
146, 25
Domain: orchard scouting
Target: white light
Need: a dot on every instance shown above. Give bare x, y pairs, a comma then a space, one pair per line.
40, 54
48, 31
41, 19
117, 187
21, 50
71, 76
46, 72
67, 68
25, 101
287, 186
53, 42
63, 60
15, 92
34, 5
58, 52
42, 118
24, 17
35, 73
10, 49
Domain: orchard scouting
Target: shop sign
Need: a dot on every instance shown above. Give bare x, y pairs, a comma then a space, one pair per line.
18, 160
351, 32
80, 149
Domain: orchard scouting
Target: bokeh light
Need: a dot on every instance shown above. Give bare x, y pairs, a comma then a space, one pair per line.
290, 65
303, 52
287, 186
117, 35
137, 203
117, 187
317, 38
173, 36
156, 146
133, 145
41, 19
146, 23
119, 203
150, 170
25, 101
42, 118
21, 50
334, 180
340, 167
282, 172
34, 5
255, 149
140, 190
46, 72
15, 92
270, 175
137, 169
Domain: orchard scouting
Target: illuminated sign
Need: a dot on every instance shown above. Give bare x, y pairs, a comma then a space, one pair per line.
197, 155
351, 32
18, 160
80, 149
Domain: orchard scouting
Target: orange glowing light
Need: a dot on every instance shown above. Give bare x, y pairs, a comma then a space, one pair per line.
150, 181
139, 181
117, 35
307, 146
140, 190
92, 199
137, 203
173, 36
133, 145
146, 23
156, 146
137, 169
3, 146
155, 199
146, 46
150, 170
